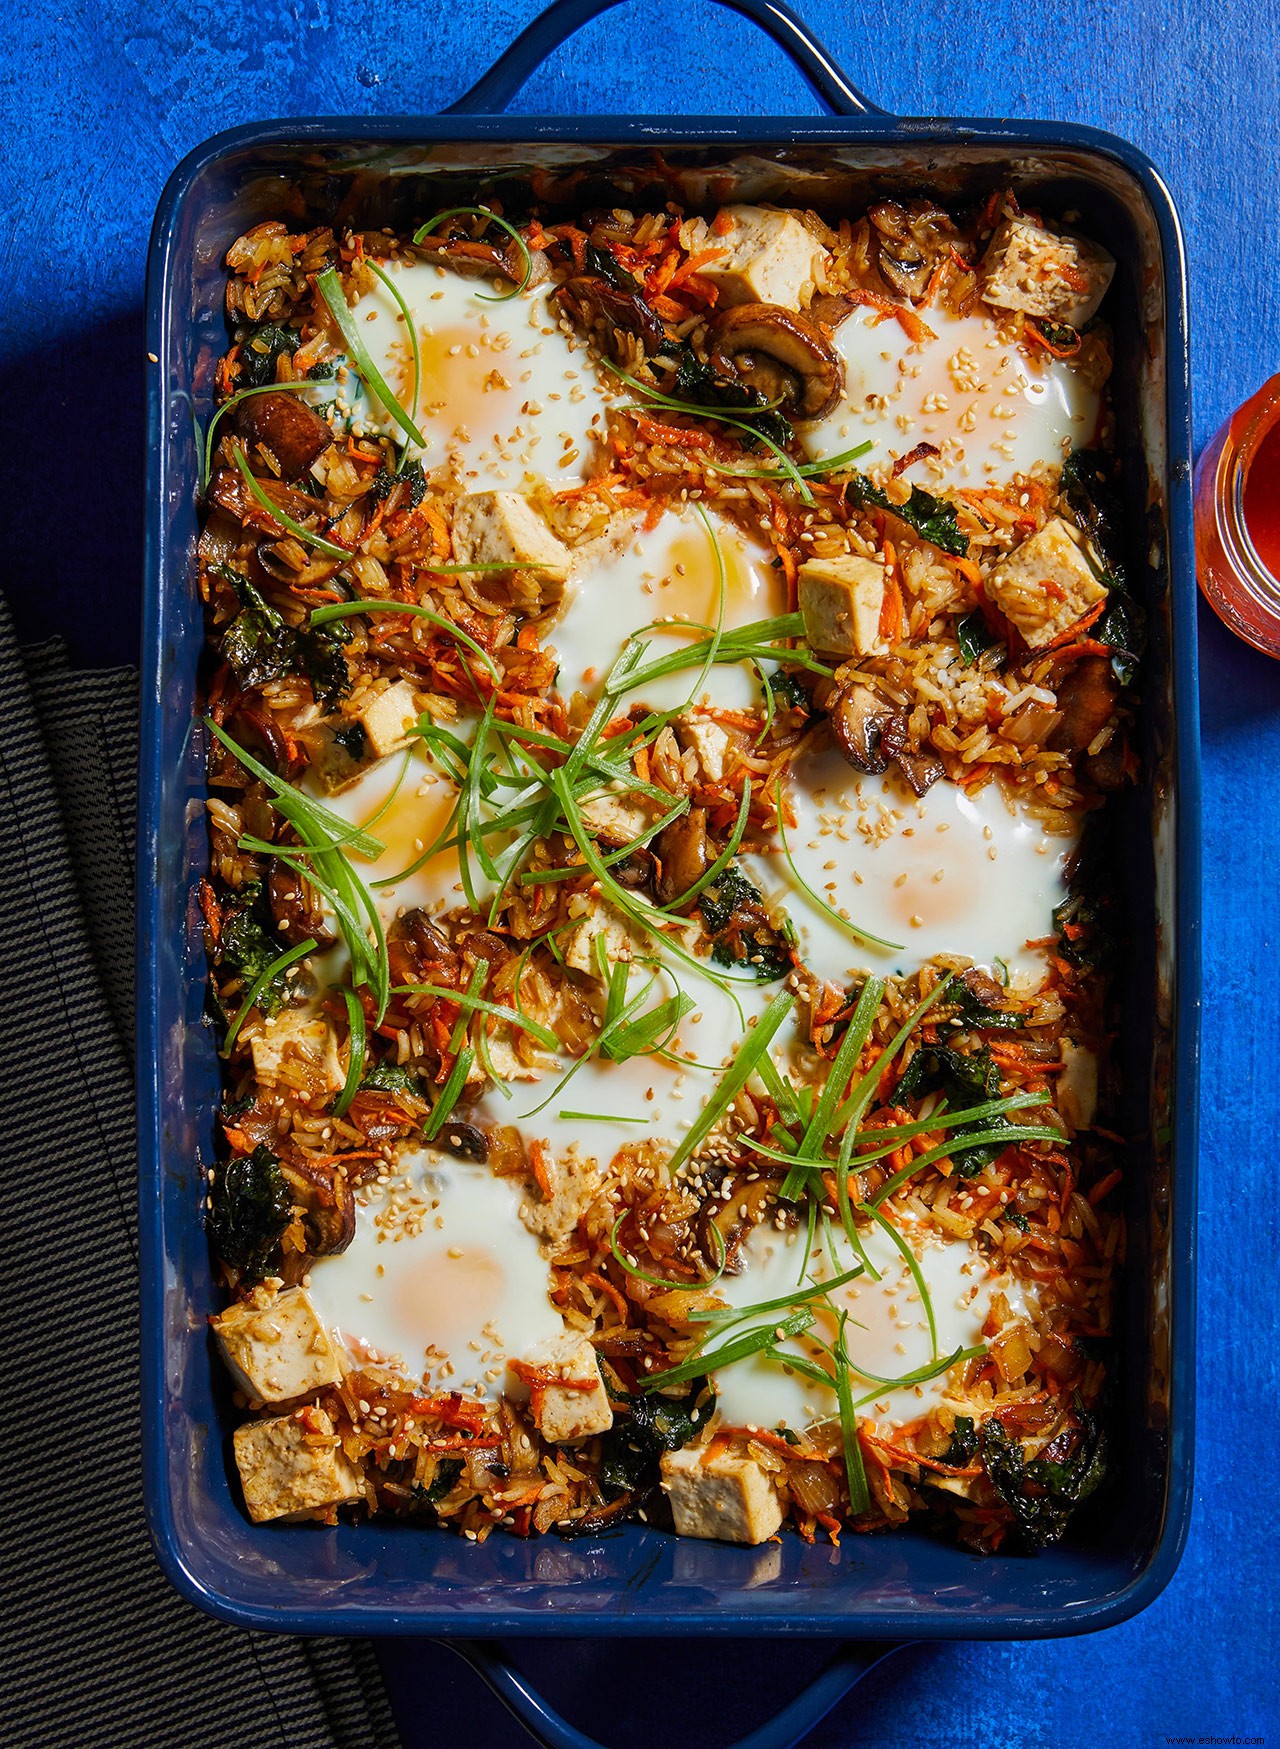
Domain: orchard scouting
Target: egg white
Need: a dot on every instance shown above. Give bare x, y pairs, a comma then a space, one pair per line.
668, 572
442, 1281
991, 411
887, 1332
948, 872
507, 398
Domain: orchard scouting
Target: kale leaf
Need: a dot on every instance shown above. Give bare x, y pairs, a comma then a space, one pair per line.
409, 473
391, 1078
629, 1452
261, 646
248, 943
964, 1444
1083, 938
605, 265
259, 352
964, 1081
787, 690
1089, 487
932, 518
1043, 1493
974, 636
972, 1011
353, 741
251, 1207
697, 383
447, 1472
741, 934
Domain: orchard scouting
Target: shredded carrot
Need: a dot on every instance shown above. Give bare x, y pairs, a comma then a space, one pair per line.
594, 1279
541, 1168
545, 1378
1073, 631
1038, 339
914, 329
1104, 1187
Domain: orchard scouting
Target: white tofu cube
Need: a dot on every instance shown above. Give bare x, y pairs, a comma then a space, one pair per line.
299, 1050
579, 944
388, 718
730, 1500
771, 257
575, 1180
499, 528
576, 1408
711, 744
1045, 585
1049, 274
616, 820
293, 1466
278, 1352
1078, 1086
841, 601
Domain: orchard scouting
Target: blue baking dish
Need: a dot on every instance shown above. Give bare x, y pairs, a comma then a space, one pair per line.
388, 1578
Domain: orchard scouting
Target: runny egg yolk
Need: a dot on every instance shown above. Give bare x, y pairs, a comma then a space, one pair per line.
669, 572
949, 872
505, 396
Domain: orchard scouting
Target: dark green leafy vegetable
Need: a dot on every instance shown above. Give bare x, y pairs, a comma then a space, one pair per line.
324, 372
605, 264
932, 518
964, 1444
972, 1011
629, 1452
964, 1081
409, 474
447, 1472
261, 646
1089, 487
1059, 334
353, 741
248, 943
1083, 937
251, 1207
1043, 1493
698, 383
259, 353
392, 1078
1016, 1220
741, 934
974, 636
787, 690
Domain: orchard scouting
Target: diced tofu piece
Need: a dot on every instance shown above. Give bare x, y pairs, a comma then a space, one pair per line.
1045, 585
301, 1051
386, 721
293, 1465
496, 528
579, 944
730, 1499
575, 1183
277, 1352
510, 1065
577, 1408
841, 600
772, 258
1044, 273
1078, 1085
616, 820
711, 744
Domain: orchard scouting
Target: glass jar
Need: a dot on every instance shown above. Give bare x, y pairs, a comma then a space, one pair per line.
1237, 512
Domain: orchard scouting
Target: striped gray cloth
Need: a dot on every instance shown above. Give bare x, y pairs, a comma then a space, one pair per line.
95, 1648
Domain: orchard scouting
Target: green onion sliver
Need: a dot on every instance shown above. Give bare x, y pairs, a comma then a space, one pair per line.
482, 212
850, 928
447, 1098
734, 1079
356, 1052
475, 1005
412, 326
362, 842
752, 1342
855, 1473
345, 609
231, 401
330, 288
657, 1280
282, 516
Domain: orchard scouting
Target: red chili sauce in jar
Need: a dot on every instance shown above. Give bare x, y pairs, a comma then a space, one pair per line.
1237, 512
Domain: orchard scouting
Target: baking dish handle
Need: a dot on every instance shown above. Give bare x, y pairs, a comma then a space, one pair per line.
492, 93
783, 1731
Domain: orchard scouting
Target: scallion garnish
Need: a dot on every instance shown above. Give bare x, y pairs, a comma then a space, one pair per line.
657, 1280
412, 326
355, 1052
330, 288
751, 1342
651, 1033
482, 212
363, 604
297, 806
234, 401
321, 544
447, 1097
477, 1005
855, 1473
734, 1079
841, 922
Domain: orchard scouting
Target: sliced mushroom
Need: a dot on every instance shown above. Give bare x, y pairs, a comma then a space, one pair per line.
419, 953
921, 769
788, 358
590, 298
464, 1140
295, 434
636, 872
327, 1204
466, 256
858, 720
907, 241
1087, 692
296, 908
683, 854
735, 1218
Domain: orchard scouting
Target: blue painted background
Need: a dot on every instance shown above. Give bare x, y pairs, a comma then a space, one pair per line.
97, 103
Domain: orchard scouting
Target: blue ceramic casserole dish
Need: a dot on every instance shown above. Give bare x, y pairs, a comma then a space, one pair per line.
388, 1579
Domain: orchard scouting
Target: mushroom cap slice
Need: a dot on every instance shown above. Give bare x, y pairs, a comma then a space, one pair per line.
858, 719
787, 357
591, 298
